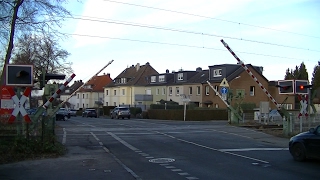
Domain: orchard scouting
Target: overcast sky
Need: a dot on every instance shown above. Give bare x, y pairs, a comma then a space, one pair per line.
186, 34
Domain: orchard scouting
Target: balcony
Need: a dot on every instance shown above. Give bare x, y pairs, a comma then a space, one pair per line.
143, 97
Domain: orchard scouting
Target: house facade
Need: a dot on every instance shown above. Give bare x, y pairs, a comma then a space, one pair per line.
242, 86
91, 95
70, 96
130, 88
142, 85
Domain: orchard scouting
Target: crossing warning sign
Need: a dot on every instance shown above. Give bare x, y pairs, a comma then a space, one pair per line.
224, 83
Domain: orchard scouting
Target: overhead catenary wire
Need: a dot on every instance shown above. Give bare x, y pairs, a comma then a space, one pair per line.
182, 45
207, 17
190, 32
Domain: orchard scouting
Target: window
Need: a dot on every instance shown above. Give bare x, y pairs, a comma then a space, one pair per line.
153, 78
163, 91
114, 104
87, 105
148, 91
161, 78
287, 106
82, 105
170, 91
198, 90
123, 80
207, 90
78, 96
107, 104
217, 89
77, 105
107, 92
123, 92
190, 90
114, 92
252, 90
158, 91
180, 76
217, 73
87, 96
82, 96
177, 91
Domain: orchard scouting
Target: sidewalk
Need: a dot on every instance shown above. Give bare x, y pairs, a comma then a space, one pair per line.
79, 163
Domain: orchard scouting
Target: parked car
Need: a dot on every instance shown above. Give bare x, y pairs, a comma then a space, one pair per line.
66, 111
120, 112
73, 112
31, 111
305, 145
62, 114
90, 113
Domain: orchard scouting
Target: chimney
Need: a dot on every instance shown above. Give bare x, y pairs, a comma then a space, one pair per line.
138, 66
147, 63
167, 71
108, 74
199, 69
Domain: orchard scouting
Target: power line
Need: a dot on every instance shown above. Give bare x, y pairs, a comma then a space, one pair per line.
185, 31
228, 21
182, 45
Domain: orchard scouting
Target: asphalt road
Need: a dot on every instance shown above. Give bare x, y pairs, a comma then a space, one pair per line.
154, 149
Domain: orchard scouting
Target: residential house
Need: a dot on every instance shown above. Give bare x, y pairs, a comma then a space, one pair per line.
70, 96
130, 87
240, 84
178, 89
92, 93
158, 86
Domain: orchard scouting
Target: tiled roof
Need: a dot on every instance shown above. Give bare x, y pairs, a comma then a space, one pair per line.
135, 76
72, 88
96, 83
200, 77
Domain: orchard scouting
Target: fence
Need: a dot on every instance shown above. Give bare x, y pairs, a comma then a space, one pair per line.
40, 128
296, 124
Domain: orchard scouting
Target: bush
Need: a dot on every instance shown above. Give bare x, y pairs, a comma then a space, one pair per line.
20, 148
135, 110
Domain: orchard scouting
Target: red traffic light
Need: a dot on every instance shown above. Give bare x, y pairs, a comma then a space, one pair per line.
301, 87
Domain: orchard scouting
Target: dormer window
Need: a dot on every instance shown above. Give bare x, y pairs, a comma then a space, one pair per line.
180, 76
161, 78
123, 80
88, 87
217, 73
153, 78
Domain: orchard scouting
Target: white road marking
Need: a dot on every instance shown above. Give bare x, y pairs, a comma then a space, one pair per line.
95, 136
122, 141
191, 178
214, 149
184, 174
176, 170
64, 138
118, 160
170, 167
254, 149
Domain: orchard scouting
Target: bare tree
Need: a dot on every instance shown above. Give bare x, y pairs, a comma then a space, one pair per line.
18, 16
43, 52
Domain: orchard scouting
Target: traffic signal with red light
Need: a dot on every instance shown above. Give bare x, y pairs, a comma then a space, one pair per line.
285, 86
302, 86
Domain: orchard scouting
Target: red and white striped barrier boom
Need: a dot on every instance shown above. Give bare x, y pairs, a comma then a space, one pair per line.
61, 88
250, 73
